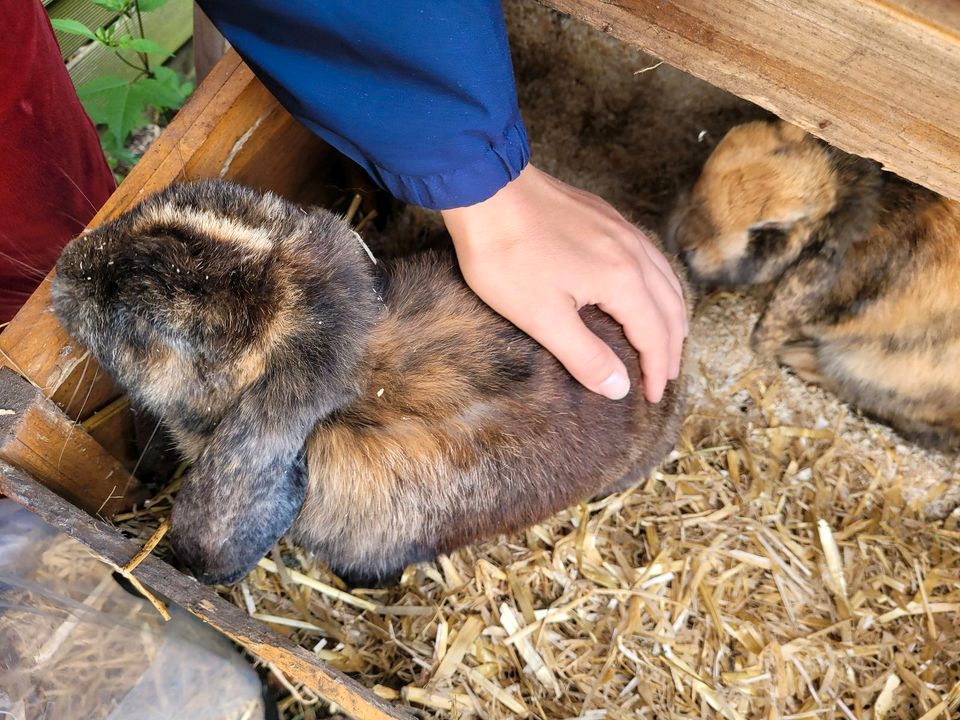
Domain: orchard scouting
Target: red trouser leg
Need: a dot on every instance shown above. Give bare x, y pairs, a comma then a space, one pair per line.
53, 176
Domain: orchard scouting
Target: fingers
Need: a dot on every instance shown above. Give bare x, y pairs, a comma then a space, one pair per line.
583, 354
651, 293
673, 314
663, 265
646, 329
651, 311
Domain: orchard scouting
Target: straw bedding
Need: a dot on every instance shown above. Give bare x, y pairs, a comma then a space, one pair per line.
790, 559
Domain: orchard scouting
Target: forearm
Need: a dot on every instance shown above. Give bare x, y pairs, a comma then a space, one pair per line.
420, 94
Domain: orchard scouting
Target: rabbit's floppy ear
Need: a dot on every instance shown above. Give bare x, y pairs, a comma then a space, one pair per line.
249, 482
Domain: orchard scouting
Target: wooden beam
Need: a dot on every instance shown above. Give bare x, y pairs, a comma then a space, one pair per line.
297, 663
36, 436
208, 44
878, 78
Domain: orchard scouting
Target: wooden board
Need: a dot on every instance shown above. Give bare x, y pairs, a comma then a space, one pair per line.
294, 661
37, 437
879, 78
208, 44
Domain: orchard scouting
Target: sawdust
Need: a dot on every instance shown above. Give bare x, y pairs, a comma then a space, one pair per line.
784, 562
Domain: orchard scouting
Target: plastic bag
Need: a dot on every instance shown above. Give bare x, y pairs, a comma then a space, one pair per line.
75, 644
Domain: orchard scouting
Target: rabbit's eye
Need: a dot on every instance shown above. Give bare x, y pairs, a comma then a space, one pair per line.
767, 239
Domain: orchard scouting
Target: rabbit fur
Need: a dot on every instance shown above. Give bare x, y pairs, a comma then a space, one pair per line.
380, 415
863, 269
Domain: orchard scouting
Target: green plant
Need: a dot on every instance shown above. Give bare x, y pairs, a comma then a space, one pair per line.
117, 105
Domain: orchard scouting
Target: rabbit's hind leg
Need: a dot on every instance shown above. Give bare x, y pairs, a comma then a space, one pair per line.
803, 359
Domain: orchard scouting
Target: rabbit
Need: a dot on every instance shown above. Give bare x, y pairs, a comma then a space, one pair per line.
378, 416
863, 269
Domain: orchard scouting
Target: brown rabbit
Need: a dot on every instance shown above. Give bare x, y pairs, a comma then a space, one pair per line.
865, 266
382, 417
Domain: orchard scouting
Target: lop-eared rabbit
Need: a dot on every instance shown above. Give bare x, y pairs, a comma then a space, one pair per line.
382, 415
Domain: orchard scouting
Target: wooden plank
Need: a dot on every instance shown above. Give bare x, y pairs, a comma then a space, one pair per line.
37, 437
170, 26
112, 427
297, 663
879, 78
208, 44
34, 345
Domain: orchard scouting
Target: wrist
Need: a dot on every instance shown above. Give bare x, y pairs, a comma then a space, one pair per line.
470, 224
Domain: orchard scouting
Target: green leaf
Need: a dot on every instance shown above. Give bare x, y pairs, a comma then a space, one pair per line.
170, 88
150, 5
107, 36
115, 103
142, 45
164, 91
72, 27
119, 157
96, 94
122, 42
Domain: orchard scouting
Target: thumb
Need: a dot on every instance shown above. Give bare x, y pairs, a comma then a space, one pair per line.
585, 356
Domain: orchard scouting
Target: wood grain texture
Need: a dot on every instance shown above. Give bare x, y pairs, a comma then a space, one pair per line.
37, 437
878, 78
208, 44
297, 663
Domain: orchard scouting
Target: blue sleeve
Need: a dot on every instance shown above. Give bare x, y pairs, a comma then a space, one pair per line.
420, 93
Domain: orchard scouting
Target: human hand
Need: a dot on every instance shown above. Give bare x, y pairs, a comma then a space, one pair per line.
539, 250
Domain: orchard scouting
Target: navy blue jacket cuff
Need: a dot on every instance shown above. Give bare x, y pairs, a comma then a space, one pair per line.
419, 93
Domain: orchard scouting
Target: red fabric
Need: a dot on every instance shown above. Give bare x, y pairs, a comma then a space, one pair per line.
53, 176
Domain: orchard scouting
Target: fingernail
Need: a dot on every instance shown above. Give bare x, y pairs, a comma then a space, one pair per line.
616, 386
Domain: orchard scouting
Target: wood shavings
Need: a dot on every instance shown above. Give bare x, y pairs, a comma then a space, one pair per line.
525, 647
298, 577
787, 560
